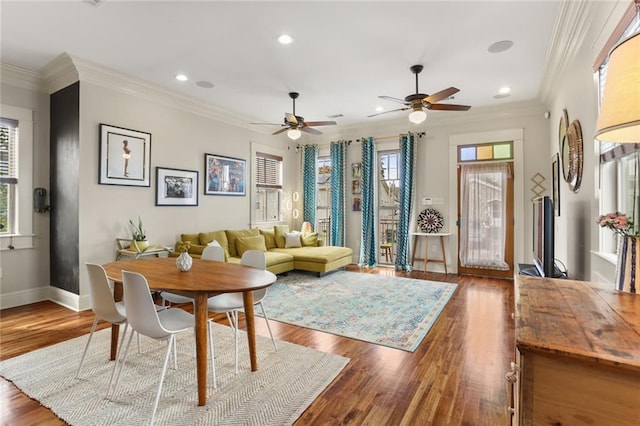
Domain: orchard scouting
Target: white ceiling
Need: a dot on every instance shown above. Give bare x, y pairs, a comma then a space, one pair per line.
343, 56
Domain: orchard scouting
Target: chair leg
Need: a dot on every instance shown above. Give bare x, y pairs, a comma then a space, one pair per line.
164, 371
118, 355
264, 313
124, 361
234, 317
93, 328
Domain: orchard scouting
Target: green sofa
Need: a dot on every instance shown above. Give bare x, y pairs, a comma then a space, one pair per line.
284, 250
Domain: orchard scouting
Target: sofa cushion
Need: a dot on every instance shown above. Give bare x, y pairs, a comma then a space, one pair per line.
292, 239
309, 239
219, 236
232, 236
255, 242
325, 254
279, 231
269, 238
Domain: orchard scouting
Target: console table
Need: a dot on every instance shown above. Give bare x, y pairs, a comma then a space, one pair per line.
425, 259
577, 359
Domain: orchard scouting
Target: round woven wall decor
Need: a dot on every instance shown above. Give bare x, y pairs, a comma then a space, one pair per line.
430, 221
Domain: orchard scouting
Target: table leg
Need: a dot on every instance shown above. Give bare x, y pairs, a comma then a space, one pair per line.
200, 312
115, 328
426, 253
444, 257
247, 298
413, 251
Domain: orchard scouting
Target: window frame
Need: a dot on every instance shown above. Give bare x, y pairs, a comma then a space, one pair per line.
21, 235
266, 192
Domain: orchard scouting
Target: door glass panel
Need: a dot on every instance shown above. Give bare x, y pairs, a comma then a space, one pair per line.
388, 196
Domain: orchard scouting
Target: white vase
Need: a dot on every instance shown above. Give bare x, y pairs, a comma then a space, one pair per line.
184, 261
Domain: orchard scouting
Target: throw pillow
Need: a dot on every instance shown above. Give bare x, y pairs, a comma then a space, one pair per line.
269, 238
279, 231
192, 238
255, 242
232, 236
219, 236
310, 239
292, 239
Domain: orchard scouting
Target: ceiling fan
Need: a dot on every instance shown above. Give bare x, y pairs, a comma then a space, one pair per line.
419, 101
293, 123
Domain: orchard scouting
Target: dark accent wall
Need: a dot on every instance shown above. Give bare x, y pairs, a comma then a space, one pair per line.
65, 172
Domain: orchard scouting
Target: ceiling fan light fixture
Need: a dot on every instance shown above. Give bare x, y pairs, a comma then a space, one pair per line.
417, 116
294, 134
285, 39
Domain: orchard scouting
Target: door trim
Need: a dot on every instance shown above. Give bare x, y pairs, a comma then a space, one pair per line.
515, 135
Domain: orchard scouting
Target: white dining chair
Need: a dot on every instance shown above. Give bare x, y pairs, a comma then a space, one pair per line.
232, 303
104, 308
163, 325
215, 253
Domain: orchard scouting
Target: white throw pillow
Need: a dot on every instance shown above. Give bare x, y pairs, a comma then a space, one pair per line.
292, 239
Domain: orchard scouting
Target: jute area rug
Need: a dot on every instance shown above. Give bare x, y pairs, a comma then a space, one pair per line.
389, 311
286, 383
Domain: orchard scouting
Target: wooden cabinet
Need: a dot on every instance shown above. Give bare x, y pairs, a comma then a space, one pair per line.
577, 354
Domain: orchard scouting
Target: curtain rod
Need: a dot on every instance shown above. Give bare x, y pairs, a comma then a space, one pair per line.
349, 142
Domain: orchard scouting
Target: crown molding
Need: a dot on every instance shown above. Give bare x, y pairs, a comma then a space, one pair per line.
21, 77
59, 73
572, 26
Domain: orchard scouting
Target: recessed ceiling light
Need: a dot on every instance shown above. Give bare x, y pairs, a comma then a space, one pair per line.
500, 46
504, 90
204, 84
181, 77
379, 108
285, 39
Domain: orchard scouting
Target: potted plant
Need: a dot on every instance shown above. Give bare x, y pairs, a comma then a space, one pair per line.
184, 261
139, 237
627, 274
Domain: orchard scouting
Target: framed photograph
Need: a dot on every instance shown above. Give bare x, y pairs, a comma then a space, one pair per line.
125, 156
355, 187
356, 170
176, 187
357, 204
224, 175
555, 172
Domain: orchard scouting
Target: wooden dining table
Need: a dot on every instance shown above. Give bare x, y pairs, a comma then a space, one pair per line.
205, 279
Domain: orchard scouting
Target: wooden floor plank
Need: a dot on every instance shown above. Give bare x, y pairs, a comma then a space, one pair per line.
455, 376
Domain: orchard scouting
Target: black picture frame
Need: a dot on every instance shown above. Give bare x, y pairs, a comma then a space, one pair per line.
125, 156
176, 187
224, 175
555, 173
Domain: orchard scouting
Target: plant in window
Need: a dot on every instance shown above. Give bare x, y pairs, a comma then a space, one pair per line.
618, 222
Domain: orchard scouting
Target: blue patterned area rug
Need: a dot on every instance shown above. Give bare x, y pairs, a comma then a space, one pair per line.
388, 311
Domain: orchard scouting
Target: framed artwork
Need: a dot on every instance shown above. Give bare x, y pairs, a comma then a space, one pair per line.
356, 170
357, 204
355, 187
224, 175
555, 172
175, 187
125, 156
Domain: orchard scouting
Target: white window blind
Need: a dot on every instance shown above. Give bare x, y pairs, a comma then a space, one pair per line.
268, 171
8, 151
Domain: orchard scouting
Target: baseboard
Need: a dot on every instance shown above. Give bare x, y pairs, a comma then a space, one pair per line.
24, 297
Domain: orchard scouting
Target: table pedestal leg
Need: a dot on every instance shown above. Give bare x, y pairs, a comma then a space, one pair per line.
115, 328
247, 298
200, 313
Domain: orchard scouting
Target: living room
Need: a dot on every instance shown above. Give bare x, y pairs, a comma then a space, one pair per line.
184, 129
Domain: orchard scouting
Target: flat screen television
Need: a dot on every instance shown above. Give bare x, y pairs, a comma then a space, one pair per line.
543, 241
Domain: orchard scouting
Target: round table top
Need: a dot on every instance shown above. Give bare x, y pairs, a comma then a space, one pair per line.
205, 276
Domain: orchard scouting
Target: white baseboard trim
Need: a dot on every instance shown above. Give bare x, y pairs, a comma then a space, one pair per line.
24, 297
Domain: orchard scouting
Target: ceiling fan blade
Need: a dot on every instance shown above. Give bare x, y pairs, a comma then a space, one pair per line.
443, 94
448, 107
389, 98
290, 118
385, 112
310, 130
269, 124
320, 123
277, 132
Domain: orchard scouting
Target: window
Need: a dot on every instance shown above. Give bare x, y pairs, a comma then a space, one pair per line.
268, 179
323, 209
619, 168
8, 173
389, 200
496, 151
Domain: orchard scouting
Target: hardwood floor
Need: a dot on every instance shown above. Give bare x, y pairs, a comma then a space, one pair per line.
455, 377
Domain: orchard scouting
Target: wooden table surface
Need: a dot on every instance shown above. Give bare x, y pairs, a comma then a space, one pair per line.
203, 280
